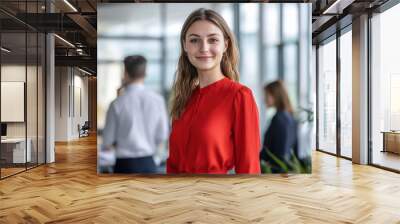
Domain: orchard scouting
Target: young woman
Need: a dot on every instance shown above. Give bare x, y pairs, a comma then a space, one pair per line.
215, 126
281, 137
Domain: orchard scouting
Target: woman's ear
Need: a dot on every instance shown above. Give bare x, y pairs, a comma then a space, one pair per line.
226, 45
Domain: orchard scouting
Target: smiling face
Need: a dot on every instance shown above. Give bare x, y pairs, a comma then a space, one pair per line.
205, 45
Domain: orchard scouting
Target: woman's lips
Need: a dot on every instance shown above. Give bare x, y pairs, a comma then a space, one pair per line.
204, 58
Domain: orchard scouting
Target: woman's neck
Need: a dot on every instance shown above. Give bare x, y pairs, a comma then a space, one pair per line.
207, 77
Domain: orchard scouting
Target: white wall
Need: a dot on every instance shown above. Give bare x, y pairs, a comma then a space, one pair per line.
61, 103
33, 126
12, 73
80, 89
71, 93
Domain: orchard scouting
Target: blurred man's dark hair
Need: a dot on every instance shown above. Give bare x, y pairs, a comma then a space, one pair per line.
135, 66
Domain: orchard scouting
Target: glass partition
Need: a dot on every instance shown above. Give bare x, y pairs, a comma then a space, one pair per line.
22, 88
346, 94
385, 89
327, 96
15, 151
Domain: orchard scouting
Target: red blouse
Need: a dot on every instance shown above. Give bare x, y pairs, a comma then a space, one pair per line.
218, 131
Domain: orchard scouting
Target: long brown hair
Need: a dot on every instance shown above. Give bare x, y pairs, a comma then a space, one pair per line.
186, 79
278, 91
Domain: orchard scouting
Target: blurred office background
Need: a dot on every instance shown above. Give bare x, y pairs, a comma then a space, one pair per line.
274, 41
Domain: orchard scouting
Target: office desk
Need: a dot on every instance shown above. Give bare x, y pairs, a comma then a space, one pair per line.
391, 141
13, 150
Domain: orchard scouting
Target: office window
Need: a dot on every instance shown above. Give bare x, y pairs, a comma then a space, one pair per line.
291, 71
327, 97
282, 45
271, 64
153, 77
346, 94
385, 89
173, 52
117, 50
290, 22
313, 95
271, 24
271, 40
290, 38
306, 85
226, 11
249, 51
134, 20
111, 74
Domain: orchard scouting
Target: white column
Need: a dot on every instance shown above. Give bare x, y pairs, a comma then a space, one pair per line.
360, 90
50, 92
62, 103
50, 99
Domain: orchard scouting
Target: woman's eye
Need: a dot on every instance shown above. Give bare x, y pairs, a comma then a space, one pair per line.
193, 41
213, 40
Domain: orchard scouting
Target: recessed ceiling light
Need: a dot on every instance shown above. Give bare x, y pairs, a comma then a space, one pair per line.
337, 7
64, 40
70, 5
86, 72
5, 49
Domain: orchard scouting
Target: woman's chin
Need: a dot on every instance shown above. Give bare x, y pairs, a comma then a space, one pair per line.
204, 66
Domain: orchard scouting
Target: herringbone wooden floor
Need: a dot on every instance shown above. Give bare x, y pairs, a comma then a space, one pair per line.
70, 191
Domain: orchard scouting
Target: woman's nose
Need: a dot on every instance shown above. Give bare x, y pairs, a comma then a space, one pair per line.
204, 46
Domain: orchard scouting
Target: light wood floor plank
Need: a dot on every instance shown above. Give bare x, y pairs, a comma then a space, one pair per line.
70, 191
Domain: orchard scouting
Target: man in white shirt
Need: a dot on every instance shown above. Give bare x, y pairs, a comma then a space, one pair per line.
136, 122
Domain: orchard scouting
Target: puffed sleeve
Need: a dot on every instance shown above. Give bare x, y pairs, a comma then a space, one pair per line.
246, 133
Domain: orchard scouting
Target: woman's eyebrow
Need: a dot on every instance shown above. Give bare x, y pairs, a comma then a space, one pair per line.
211, 34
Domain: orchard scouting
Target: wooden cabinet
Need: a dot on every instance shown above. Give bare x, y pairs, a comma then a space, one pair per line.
391, 142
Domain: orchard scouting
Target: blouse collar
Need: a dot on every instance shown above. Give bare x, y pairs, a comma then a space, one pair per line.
212, 85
